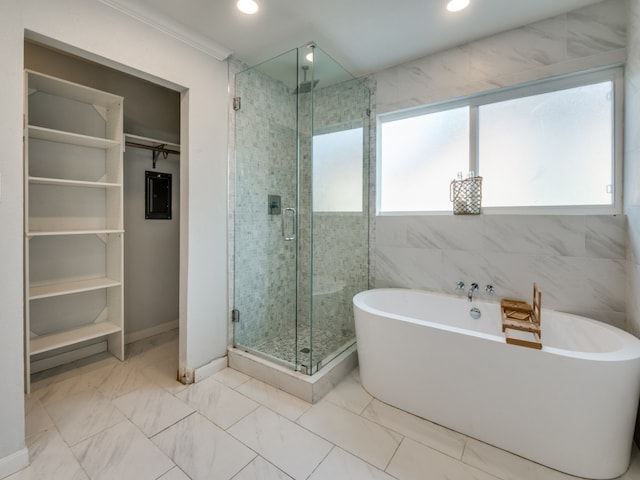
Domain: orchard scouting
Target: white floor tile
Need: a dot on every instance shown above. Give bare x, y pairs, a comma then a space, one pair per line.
340, 464
76, 384
507, 466
220, 404
82, 415
165, 374
121, 380
121, 452
360, 436
231, 378
349, 394
203, 450
423, 431
36, 418
633, 473
414, 461
260, 469
288, 446
50, 458
152, 409
156, 350
277, 400
174, 474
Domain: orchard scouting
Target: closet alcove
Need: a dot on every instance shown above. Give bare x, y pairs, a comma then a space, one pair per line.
151, 252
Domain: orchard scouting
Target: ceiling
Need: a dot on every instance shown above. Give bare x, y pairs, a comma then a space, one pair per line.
364, 36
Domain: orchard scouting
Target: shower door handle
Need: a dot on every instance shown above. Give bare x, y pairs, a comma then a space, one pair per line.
292, 236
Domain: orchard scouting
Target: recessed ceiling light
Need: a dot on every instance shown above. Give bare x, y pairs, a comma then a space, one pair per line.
247, 6
309, 57
457, 5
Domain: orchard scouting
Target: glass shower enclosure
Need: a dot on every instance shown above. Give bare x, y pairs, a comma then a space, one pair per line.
300, 207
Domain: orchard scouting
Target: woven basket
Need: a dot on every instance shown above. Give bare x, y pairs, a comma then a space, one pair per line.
466, 196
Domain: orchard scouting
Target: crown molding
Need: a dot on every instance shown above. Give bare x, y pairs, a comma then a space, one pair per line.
171, 27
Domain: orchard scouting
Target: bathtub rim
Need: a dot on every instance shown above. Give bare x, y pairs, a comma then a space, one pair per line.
629, 344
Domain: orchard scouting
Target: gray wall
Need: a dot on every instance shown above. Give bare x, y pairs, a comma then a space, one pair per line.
577, 261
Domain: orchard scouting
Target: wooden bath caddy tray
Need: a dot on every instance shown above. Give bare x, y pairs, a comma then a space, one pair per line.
521, 321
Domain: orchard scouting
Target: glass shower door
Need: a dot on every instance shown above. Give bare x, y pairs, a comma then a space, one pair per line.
265, 211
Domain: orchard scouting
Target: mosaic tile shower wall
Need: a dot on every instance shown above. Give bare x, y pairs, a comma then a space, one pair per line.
265, 164
273, 126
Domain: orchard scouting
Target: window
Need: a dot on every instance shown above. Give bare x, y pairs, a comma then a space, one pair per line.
548, 147
337, 171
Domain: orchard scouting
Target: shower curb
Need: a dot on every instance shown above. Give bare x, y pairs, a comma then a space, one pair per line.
308, 388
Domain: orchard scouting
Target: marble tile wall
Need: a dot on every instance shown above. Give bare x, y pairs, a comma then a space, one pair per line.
586, 38
578, 261
331, 246
265, 155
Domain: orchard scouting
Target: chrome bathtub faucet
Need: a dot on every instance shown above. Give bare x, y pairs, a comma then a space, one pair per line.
489, 289
460, 285
472, 289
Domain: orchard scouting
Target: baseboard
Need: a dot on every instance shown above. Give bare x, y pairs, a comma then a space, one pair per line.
210, 368
150, 332
14, 462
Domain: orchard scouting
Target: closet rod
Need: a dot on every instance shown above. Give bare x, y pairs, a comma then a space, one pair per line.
159, 149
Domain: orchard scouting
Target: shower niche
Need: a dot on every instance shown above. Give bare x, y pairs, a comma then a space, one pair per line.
301, 131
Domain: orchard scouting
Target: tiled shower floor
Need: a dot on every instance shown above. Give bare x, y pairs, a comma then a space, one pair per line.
326, 345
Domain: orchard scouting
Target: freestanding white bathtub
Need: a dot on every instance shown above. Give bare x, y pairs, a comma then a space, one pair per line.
570, 406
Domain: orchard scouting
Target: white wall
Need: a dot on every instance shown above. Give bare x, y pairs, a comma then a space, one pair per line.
106, 35
12, 447
578, 261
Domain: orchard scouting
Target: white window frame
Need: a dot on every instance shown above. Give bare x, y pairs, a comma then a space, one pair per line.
614, 74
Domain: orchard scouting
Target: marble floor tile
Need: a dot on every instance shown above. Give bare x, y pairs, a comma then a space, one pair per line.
50, 458
360, 436
36, 418
231, 378
428, 433
77, 384
121, 452
203, 450
341, 464
123, 379
288, 446
152, 409
507, 466
634, 468
220, 404
155, 350
174, 474
82, 415
93, 363
260, 469
413, 460
349, 394
277, 400
165, 374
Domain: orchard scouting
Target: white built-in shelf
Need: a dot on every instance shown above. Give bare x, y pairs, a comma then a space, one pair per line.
45, 343
48, 233
67, 288
71, 183
73, 187
39, 82
60, 136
